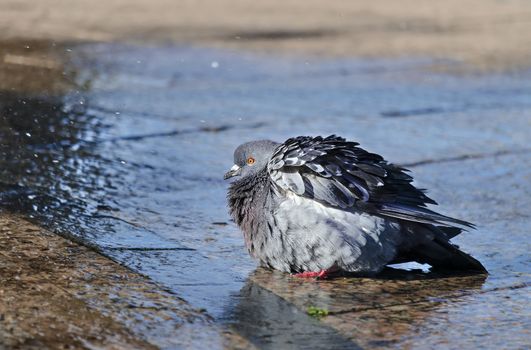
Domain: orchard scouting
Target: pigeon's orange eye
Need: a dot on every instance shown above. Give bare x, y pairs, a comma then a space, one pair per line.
250, 161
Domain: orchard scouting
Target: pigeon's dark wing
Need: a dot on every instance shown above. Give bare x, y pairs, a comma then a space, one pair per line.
338, 173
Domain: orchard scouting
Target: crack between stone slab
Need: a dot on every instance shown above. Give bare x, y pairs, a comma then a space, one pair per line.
218, 128
439, 299
404, 113
139, 137
102, 216
148, 248
465, 157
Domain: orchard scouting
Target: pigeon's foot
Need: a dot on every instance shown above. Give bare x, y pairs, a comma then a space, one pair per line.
321, 275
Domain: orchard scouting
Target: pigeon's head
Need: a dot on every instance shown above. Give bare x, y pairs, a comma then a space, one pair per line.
251, 157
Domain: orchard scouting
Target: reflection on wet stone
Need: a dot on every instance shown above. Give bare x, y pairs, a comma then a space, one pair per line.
374, 312
274, 323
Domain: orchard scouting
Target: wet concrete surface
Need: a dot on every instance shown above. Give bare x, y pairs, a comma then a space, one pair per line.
130, 162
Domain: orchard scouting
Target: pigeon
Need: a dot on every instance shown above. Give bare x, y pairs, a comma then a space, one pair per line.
320, 206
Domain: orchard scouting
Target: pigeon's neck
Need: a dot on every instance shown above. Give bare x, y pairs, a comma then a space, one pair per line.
248, 198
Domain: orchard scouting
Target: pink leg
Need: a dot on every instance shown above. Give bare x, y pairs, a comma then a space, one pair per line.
323, 274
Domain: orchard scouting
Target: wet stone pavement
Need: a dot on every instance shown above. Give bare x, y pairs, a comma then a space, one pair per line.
56, 294
130, 162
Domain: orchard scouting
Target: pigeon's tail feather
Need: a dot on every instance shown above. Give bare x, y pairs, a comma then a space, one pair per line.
433, 247
450, 232
442, 254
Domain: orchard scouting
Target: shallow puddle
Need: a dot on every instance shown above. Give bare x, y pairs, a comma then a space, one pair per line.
131, 160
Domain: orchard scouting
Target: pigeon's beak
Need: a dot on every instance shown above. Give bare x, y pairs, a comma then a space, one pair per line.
234, 171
